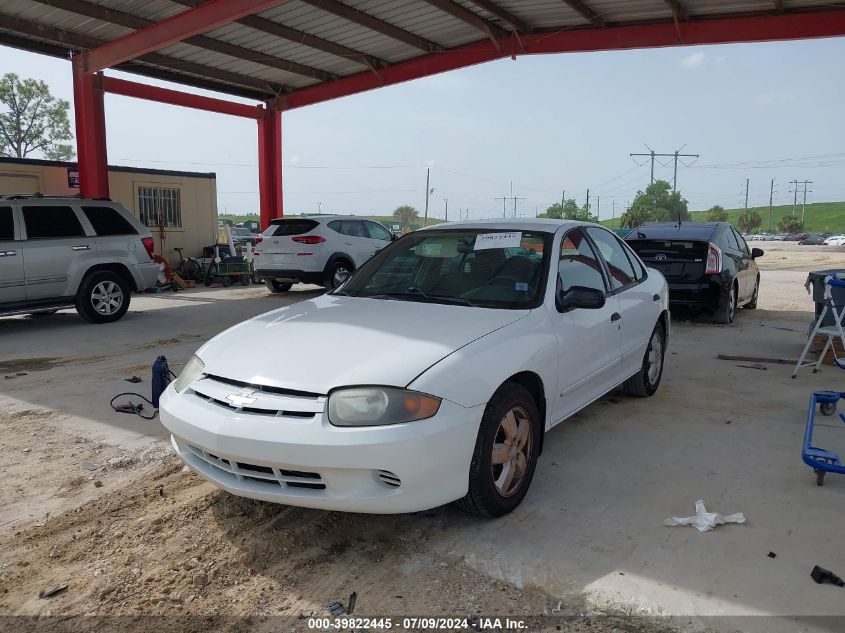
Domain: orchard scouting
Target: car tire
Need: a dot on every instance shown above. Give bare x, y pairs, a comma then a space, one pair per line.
752, 304
103, 297
244, 279
645, 382
726, 312
276, 287
492, 490
332, 272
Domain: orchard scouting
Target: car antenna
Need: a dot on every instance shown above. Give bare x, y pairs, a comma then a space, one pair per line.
679, 218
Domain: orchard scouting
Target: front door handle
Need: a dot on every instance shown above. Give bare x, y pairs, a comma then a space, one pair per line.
656, 298
81, 247
8, 253
615, 317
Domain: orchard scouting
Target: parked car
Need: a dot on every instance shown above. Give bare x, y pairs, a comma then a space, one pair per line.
708, 265
322, 250
61, 252
242, 235
835, 240
411, 386
812, 240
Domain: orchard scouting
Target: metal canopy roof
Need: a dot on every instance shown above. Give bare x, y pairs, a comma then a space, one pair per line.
305, 51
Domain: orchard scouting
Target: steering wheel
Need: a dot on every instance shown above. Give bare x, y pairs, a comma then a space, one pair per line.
501, 280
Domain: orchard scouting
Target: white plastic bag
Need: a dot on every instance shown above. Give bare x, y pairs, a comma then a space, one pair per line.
704, 521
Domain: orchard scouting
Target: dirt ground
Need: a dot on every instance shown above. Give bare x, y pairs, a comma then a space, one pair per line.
94, 503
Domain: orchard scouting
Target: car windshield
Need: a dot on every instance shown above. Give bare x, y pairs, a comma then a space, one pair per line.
474, 267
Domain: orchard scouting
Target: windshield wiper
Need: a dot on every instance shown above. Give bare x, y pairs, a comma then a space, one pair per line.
415, 294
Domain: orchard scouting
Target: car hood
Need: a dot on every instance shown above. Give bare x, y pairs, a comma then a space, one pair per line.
333, 341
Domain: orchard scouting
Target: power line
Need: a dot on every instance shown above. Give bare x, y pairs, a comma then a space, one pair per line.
674, 155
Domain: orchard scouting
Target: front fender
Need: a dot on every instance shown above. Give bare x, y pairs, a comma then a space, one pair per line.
472, 374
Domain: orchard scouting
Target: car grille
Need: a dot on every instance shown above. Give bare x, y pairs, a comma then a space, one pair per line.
273, 402
272, 476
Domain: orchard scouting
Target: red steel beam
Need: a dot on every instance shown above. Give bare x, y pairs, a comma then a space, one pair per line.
177, 28
270, 165
175, 97
90, 121
753, 28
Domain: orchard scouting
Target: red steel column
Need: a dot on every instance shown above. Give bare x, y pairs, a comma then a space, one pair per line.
90, 132
270, 165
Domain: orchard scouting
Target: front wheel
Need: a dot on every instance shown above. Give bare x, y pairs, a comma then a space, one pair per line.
103, 297
752, 305
275, 286
646, 381
505, 454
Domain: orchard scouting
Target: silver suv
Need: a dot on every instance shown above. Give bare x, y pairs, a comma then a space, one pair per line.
62, 252
322, 250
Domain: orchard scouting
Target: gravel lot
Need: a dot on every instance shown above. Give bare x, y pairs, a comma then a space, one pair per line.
95, 500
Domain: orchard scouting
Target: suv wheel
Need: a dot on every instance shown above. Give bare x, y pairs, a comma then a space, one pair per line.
275, 286
505, 453
337, 273
103, 297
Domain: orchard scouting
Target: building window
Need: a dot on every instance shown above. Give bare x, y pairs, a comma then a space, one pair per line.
160, 206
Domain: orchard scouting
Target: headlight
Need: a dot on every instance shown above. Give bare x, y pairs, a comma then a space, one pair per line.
190, 372
377, 406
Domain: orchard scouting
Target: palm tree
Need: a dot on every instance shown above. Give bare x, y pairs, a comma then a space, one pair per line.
406, 215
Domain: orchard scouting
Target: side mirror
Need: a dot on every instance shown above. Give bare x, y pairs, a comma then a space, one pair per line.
579, 297
393, 237
757, 252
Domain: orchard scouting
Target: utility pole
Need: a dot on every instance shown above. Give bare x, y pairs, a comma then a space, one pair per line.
587, 208
771, 196
504, 200
746, 194
515, 198
613, 215
598, 207
674, 155
446, 200
562, 198
795, 199
427, 184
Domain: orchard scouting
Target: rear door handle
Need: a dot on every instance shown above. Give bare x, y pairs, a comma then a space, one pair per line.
656, 298
81, 247
615, 317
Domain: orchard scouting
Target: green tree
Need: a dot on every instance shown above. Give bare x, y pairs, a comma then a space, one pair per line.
406, 215
569, 211
33, 120
749, 220
790, 224
658, 203
717, 213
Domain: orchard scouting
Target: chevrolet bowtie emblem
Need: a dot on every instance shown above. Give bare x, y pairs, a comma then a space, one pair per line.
240, 400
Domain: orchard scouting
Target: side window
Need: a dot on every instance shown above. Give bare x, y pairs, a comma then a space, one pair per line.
639, 269
743, 245
729, 238
7, 225
108, 221
51, 222
378, 232
335, 226
353, 228
621, 271
578, 264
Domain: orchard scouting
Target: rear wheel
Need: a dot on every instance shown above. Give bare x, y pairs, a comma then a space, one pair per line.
505, 454
244, 279
275, 286
645, 382
727, 307
337, 273
103, 297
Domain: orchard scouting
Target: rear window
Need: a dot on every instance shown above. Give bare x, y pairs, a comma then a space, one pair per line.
650, 248
44, 222
108, 221
290, 227
7, 225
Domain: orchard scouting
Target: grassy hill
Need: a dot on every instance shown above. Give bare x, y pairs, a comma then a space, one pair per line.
819, 217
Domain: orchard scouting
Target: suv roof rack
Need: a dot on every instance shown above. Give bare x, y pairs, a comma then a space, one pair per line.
23, 196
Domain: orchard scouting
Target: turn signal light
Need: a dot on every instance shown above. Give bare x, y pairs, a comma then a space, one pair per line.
258, 240
714, 260
309, 239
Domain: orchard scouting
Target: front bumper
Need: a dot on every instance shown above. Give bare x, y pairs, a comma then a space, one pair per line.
310, 463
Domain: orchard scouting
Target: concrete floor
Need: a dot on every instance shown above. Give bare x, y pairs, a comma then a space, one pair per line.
592, 521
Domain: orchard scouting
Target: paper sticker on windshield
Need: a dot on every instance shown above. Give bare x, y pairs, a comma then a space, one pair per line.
430, 249
485, 241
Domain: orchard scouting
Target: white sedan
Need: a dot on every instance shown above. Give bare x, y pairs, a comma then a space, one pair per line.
430, 376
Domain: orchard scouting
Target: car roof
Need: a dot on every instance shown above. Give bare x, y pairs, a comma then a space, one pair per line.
675, 230
525, 224
322, 216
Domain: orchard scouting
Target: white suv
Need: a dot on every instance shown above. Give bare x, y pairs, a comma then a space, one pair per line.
322, 250
63, 252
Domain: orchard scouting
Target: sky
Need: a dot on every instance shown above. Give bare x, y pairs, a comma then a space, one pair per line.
544, 123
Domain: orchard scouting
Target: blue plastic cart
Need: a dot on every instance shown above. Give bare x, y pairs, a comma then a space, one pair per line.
820, 460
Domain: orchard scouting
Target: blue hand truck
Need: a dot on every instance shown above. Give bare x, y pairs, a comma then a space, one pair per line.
820, 460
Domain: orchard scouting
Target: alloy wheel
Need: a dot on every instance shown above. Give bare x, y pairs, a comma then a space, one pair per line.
512, 449
341, 274
107, 298
655, 358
